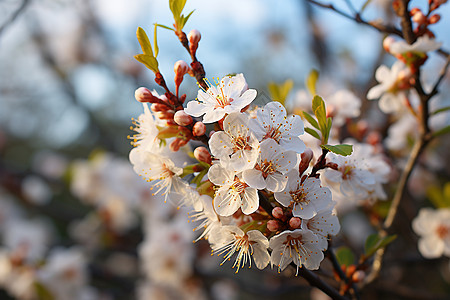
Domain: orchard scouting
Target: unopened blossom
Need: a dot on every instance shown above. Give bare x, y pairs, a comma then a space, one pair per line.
300, 246
271, 122
433, 227
392, 88
233, 192
306, 198
271, 167
323, 225
236, 146
228, 96
246, 244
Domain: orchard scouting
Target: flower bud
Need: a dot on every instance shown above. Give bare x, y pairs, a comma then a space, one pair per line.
199, 129
176, 144
182, 118
295, 223
202, 154
306, 158
277, 212
143, 94
358, 276
180, 68
434, 19
194, 37
164, 115
159, 107
273, 225
387, 42
419, 18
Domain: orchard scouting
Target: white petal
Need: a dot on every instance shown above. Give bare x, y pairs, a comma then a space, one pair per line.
226, 202
431, 247
250, 201
220, 144
254, 179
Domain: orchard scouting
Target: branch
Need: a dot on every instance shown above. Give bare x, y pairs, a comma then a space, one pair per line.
11, 19
315, 280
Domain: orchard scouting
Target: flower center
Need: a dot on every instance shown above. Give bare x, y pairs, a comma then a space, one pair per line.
238, 186
266, 168
299, 196
166, 172
442, 231
241, 143
347, 172
274, 133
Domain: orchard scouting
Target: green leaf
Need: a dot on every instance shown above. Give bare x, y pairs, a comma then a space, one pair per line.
327, 130
165, 27
374, 242
364, 6
442, 131
311, 81
318, 106
342, 149
311, 120
279, 92
187, 170
198, 179
440, 198
149, 61
345, 256
185, 19
312, 132
155, 41
176, 6
440, 110
144, 41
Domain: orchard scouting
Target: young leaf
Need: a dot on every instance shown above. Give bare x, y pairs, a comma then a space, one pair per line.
439, 198
149, 61
441, 110
342, 149
279, 92
144, 41
165, 27
311, 120
327, 131
311, 81
155, 41
198, 179
442, 131
185, 19
312, 132
374, 242
187, 170
345, 256
318, 106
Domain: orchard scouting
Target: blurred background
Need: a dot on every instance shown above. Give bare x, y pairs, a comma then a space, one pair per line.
71, 207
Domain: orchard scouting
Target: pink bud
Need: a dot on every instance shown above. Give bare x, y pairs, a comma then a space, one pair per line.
277, 212
199, 129
176, 144
273, 225
387, 42
306, 158
180, 68
419, 18
358, 276
143, 94
194, 36
182, 118
295, 223
434, 19
202, 154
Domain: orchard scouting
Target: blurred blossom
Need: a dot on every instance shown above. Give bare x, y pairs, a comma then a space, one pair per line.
36, 190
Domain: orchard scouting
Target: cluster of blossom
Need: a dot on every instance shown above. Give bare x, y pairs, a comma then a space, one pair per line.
253, 154
29, 266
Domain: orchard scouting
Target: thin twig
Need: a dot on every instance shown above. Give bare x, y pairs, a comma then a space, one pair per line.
442, 74
11, 19
341, 274
315, 280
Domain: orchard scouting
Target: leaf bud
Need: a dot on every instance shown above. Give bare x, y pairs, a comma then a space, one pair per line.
434, 19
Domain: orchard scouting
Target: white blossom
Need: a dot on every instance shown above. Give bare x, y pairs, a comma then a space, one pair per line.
271, 122
228, 96
422, 45
271, 168
306, 198
300, 246
433, 227
323, 224
236, 146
